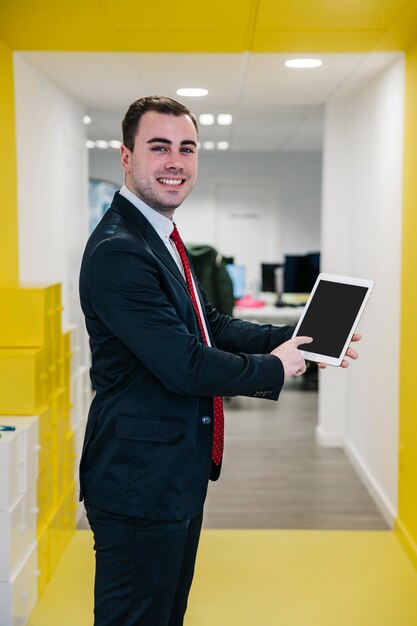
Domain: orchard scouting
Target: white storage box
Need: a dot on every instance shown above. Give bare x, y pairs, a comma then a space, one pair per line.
9, 469
19, 595
28, 460
17, 533
11, 539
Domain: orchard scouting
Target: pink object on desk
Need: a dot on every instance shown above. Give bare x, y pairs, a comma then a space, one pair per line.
249, 302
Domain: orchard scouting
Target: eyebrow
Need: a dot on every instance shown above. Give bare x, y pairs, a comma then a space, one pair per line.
185, 142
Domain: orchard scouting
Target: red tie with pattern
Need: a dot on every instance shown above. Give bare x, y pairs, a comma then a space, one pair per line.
218, 434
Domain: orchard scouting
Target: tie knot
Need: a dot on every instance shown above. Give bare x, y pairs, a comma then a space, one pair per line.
175, 236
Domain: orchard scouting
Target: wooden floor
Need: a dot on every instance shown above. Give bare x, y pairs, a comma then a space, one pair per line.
275, 475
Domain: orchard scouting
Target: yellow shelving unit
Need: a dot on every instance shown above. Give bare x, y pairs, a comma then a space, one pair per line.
35, 375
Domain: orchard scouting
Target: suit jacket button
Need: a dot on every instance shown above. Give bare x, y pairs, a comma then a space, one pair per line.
206, 420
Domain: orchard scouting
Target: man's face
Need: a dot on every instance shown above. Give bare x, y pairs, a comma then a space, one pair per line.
162, 168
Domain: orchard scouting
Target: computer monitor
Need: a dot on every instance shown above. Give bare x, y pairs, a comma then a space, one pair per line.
268, 276
237, 275
300, 272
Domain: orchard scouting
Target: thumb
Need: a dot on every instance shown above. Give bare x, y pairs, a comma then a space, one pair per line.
298, 341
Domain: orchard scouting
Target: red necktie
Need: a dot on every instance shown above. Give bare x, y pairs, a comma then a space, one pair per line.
218, 434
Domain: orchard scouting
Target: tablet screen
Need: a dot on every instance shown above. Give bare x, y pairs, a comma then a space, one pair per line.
330, 316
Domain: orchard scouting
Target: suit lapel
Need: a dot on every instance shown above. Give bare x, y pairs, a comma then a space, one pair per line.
159, 248
200, 295
146, 231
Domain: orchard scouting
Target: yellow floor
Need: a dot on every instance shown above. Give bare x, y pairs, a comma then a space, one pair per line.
265, 578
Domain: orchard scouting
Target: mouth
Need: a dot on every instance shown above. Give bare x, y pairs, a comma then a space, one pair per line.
171, 182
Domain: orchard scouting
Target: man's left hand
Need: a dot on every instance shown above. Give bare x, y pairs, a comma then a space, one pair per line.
351, 353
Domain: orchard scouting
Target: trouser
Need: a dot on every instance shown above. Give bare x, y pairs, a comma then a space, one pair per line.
144, 568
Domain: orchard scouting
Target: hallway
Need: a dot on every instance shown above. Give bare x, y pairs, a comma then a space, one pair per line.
275, 475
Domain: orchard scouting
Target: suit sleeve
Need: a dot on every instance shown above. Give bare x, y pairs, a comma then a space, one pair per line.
235, 335
128, 295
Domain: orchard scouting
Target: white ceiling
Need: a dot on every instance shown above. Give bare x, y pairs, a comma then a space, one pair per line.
274, 108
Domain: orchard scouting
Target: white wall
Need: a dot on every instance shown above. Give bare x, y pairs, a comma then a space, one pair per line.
295, 177
361, 236
105, 164
52, 184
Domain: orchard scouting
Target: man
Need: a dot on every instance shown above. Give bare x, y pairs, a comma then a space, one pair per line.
162, 357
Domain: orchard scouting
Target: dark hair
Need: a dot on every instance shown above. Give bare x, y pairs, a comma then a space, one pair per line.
160, 104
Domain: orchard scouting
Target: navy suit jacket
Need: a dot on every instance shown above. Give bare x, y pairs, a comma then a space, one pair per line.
147, 448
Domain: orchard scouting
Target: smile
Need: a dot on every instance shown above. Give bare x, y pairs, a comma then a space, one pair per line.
173, 182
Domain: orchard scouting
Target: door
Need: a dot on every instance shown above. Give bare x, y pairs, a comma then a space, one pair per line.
248, 228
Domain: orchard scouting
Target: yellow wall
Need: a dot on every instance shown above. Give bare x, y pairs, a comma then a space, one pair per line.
8, 187
407, 514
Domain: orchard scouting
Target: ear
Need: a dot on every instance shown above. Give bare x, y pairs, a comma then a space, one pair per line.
125, 157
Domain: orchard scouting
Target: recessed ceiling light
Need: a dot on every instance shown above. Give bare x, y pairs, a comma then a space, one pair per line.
303, 63
87, 119
223, 145
100, 143
224, 119
90, 144
209, 145
206, 119
115, 143
192, 92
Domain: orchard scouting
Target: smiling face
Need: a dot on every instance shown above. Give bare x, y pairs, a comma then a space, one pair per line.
162, 168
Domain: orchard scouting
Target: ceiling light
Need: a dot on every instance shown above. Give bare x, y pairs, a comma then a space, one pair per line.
223, 145
192, 92
224, 119
87, 119
209, 145
90, 144
206, 119
115, 143
303, 63
100, 143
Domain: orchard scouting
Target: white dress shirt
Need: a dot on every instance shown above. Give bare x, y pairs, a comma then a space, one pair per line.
164, 227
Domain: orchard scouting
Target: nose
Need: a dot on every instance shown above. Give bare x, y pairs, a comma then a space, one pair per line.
173, 161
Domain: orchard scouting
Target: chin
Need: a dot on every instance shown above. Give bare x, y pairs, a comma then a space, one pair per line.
171, 203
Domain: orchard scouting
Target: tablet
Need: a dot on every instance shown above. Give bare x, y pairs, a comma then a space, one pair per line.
331, 315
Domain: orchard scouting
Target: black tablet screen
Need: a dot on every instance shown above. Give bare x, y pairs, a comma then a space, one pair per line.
330, 317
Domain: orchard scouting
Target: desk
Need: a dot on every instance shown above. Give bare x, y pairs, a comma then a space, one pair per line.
269, 314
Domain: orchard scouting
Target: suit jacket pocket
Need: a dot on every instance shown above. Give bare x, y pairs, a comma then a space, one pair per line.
149, 428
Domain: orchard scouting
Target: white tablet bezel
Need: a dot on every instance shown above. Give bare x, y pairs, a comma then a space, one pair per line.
336, 278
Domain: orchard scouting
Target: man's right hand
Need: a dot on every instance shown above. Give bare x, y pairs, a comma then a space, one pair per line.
290, 356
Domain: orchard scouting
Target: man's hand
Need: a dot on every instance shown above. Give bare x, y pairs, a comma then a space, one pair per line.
352, 354
290, 356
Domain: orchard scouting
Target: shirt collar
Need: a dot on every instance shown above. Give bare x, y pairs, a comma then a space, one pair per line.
163, 225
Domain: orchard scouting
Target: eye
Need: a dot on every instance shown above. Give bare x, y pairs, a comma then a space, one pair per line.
158, 149
187, 150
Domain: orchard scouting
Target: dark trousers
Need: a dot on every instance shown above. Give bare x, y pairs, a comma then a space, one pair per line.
144, 568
